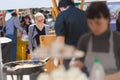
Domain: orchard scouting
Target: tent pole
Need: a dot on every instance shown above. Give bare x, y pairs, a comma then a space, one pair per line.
82, 4
55, 7
53, 13
3, 17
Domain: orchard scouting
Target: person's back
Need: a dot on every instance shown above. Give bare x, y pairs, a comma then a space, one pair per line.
75, 24
70, 25
10, 30
10, 26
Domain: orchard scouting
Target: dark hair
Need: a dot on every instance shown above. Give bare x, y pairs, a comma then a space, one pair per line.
98, 10
14, 14
27, 17
41, 11
65, 3
118, 14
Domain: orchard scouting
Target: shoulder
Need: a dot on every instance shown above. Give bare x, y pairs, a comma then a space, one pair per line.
31, 26
61, 15
83, 42
85, 37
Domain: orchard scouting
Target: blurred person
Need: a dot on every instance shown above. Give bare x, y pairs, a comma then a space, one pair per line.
1, 27
27, 23
22, 23
10, 30
21, 16
70, 25
118, 23
35, 30
101, 42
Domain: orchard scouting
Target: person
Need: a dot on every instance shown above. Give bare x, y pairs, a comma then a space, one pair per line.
1, 27
35, 30
10, 30
22, 24
118, 23
27, 23
70, 25
101, 42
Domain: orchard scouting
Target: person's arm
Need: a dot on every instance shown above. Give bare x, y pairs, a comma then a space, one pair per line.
17, 25
30, 32
82, 43
60, 29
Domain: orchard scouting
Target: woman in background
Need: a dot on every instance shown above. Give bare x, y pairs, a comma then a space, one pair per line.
35, 30
27, 23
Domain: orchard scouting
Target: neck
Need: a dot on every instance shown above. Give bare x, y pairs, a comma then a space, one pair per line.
101, 32
40, 26
27, 22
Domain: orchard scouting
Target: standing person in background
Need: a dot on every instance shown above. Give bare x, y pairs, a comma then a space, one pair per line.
27, 23
35, 30
10, 30
70, 25
1, 26
118, 23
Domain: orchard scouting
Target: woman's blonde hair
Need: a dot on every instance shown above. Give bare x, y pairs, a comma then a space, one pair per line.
39, 15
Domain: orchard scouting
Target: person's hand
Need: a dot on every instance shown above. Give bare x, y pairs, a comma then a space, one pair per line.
78, 64
24, 32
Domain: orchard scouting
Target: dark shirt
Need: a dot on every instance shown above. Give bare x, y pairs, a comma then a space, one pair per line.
1, 31
117, 25
38, 35
71, 24
101, 44
27, 27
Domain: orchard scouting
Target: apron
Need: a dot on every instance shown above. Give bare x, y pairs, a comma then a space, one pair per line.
106, 59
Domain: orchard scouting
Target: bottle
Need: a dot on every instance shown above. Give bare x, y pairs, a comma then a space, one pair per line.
97, 72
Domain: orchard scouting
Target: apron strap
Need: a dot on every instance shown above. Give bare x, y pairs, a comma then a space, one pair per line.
90, 45
111, 42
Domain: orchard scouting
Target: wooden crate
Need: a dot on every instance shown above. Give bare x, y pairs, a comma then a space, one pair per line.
46, 41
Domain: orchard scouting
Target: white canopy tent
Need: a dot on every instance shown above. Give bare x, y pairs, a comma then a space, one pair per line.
22, 4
